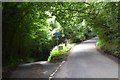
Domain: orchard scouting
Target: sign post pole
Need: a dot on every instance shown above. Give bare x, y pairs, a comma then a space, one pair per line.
57, 34
57, 43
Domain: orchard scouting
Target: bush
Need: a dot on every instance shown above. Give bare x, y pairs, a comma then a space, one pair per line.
56, 53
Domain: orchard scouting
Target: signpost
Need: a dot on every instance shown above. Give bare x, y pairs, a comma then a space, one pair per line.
57, 34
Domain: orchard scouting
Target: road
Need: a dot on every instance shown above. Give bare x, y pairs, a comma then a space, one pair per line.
84, 61
40, 69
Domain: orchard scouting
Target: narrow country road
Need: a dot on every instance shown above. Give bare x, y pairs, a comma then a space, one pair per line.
84, 61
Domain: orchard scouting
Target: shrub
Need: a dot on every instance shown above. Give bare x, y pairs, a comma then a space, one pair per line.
55, 52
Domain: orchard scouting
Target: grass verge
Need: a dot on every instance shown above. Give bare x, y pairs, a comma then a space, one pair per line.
56, 53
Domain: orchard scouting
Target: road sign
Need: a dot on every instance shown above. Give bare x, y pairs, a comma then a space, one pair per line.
57, 34
60, 47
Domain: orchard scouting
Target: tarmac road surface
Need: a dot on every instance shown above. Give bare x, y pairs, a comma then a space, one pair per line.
84, 61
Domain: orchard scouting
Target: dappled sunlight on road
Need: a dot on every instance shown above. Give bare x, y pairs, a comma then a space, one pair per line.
40, 69
37, 63
84, 61
83, 47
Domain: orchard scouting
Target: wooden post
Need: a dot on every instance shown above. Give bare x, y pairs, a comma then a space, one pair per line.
65, 42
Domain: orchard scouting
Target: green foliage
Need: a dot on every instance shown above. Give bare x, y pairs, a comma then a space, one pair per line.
25, 33
106, 26
55, 52
81, 32
28, 28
